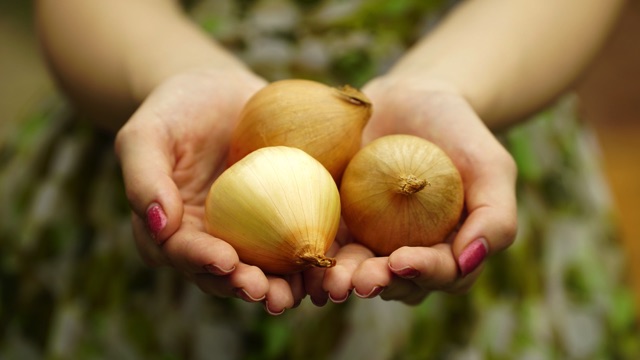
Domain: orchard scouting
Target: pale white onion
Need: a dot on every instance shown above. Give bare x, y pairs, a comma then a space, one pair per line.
278, 207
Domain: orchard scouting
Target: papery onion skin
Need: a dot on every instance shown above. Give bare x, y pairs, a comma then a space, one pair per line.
278, 207
401, 190
324, 121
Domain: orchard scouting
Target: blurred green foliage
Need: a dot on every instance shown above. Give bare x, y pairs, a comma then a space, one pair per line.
73, 287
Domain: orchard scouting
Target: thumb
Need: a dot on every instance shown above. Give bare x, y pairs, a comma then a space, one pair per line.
144, 150
491, 224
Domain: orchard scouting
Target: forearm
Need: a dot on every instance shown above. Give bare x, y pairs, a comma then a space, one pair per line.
508, 58
109, 55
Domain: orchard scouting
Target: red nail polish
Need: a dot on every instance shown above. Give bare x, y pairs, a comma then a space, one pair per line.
472, 256
156, 220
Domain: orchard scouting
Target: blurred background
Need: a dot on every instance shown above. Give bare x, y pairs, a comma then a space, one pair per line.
72, 286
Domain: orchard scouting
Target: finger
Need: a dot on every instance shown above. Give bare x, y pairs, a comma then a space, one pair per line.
279, 297
249, 280
372, 277
297, 288
431, 268
246, 282
144, 150
314, 277
491, 223
191, 250
337, 280
148, 249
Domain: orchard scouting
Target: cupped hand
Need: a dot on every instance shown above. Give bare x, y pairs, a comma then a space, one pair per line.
439, 114
171, 150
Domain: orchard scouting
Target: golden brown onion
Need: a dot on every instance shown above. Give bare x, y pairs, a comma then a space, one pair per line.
401, 190
323, 121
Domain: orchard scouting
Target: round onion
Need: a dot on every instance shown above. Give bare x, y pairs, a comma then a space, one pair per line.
278, 207
401, 190
323, 121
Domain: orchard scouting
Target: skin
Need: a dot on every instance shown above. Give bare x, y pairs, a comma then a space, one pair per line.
173, 96
475, 73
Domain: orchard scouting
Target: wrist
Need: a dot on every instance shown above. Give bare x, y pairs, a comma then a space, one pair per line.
434, 87
181, 48
407, 82
397, 89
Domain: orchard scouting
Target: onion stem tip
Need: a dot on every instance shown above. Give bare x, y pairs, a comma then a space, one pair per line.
318, 261
411, 184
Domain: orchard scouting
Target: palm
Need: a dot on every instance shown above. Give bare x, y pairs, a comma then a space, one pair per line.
198, 118
201, 128
488, 173
172, 149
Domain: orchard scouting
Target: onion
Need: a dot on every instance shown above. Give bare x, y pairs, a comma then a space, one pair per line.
401, 190
278, 207
323, 121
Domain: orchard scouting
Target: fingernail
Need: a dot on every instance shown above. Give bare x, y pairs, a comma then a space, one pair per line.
373, 293
216, 270
472, 256
340, 300
274, 313
156, 220
406, 272
244, 295
318, 303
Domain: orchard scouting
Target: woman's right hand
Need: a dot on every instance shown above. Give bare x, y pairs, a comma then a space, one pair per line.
171, 150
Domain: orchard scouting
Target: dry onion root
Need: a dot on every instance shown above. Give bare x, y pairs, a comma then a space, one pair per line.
401, 190
278, 207
323, 121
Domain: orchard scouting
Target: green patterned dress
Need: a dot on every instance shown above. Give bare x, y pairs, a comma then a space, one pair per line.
73, 287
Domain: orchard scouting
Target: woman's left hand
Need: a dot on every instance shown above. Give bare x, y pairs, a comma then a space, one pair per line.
442, 116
